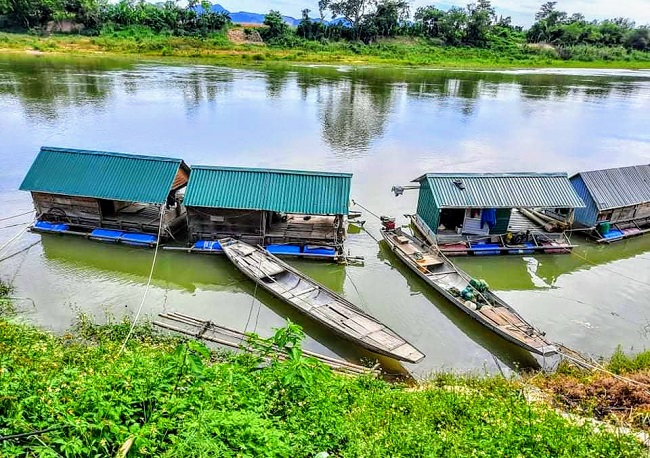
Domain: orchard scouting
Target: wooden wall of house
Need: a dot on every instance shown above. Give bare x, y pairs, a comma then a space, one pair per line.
181, 179
56, 207
215, 223
643, 211
625, 213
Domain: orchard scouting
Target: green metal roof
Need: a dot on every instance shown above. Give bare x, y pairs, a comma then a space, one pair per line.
288, 191
102, 175
502, 190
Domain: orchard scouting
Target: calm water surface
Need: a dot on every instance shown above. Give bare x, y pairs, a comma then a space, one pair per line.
385, 126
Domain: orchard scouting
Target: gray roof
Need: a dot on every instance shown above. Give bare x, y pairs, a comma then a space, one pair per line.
618, 187
502, 190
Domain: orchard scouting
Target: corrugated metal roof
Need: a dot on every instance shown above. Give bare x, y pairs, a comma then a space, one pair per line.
102, 175
289, 191
502, 190
618, 187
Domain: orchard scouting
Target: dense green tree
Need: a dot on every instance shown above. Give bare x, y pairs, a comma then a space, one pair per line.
389, 15
353, 11
639, 39
308, 29
276, 26
480, 18
428, 19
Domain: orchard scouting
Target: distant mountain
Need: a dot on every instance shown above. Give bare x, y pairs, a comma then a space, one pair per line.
218, 9
245, 17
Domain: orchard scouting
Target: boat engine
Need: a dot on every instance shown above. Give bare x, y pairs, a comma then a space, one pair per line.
387, 223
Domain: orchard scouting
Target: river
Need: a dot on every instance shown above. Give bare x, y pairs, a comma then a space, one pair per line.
386, 126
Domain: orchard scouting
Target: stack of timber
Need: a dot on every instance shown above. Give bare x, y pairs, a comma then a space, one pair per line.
549, 223
210, 332
469, 295
318, 302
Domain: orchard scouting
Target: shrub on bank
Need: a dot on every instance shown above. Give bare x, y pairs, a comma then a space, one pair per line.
176, 398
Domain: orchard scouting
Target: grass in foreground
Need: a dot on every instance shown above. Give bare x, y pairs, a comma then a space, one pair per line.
219, 49
177, 399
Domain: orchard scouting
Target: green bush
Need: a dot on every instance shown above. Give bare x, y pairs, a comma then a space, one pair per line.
620, 363
176, 398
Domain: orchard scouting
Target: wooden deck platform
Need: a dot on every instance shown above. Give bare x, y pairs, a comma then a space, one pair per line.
301, 228
145, 218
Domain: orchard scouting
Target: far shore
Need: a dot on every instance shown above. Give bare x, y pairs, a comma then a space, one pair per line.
216, 51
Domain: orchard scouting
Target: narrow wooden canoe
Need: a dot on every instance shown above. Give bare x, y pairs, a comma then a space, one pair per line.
318, 302
485, 307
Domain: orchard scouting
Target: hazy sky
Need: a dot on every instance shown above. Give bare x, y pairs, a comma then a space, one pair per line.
522, 11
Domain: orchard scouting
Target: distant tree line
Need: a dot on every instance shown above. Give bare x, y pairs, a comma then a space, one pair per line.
95, 15
476, 25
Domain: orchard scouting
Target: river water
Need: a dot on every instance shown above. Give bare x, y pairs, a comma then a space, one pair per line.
386, 126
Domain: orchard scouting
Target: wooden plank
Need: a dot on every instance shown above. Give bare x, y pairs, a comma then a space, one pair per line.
492, 316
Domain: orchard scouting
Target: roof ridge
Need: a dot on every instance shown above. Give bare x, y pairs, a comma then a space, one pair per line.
497, 174
613, 168
111, 153
275, 171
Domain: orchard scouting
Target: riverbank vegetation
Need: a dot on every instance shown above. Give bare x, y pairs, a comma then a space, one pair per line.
168, 397
378, 31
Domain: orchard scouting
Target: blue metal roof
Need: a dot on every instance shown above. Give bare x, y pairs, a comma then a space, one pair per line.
502, 190
288, 191
102, 175
618, 187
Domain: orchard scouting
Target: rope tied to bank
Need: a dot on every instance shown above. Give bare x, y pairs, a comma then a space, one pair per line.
16, 216
146, 290
18, 235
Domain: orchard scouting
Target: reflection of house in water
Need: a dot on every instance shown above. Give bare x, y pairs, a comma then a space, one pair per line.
482, 213
354, 114
514, 273
269, 207
80, 191
590, 256
120, 262
617, 201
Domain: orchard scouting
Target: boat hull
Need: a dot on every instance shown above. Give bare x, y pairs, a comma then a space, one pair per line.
406, 353
544, 351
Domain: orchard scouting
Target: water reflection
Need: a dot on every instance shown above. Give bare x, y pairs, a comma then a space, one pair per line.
45, 87
355, 106
353, 114
514, 273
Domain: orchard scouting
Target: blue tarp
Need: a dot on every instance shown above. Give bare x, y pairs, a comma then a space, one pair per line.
207, 245
138, 239
613, 234
106, 234
130, 238
283, 249
320, 250
51, 227
523, 250
489, 217
486, 249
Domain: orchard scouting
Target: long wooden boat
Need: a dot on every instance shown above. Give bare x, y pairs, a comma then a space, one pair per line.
471, 296
318, 302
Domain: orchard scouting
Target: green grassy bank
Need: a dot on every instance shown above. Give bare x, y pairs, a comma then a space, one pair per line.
407, 52
177, 399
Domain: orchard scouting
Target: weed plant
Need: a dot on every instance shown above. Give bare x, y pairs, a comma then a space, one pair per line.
177, 398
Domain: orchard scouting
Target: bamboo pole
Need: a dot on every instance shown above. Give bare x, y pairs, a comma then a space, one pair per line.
190, 320
335, 364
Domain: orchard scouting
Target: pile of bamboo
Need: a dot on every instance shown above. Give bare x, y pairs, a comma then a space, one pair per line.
210, 332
